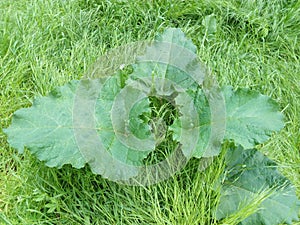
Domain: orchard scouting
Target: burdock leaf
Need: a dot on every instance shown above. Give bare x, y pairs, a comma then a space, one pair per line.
54, 129
46, 128
251, 117
204, 123
252, 186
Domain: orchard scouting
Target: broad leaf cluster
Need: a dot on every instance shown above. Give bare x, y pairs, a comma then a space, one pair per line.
114, 114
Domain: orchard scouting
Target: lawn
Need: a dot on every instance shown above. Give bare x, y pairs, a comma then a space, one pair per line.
44, 44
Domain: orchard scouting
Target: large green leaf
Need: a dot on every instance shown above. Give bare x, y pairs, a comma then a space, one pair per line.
173, 59
251, 178
204, 124
136, 140
250, 116
46, 128
171, 56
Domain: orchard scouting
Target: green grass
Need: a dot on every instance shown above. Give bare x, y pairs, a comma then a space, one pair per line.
44, 44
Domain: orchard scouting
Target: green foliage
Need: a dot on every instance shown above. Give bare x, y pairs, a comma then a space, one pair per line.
252, 179
47, 127
251, 117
